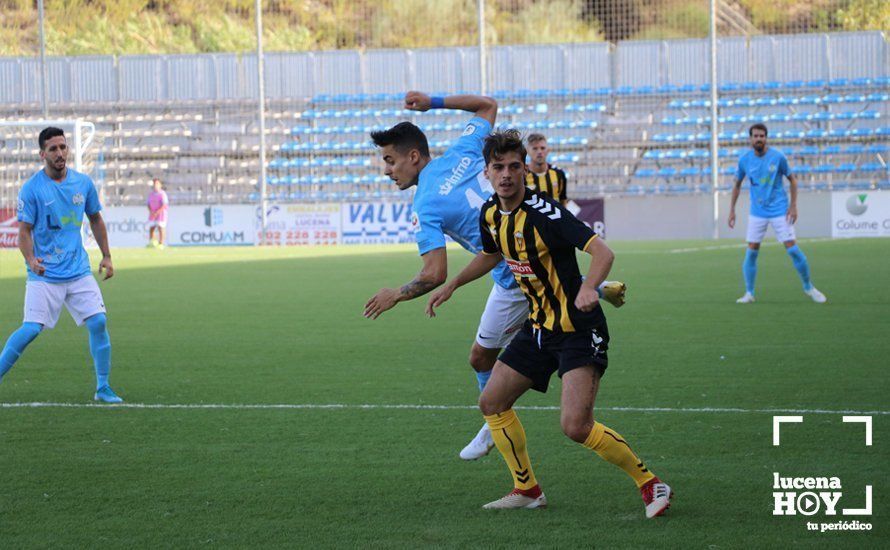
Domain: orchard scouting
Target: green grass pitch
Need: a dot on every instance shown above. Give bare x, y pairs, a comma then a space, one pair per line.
284, 326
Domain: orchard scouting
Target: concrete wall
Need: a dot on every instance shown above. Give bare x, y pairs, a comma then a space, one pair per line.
691, 217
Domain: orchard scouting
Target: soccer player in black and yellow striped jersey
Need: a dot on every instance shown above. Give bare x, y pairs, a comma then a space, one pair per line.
542, 176
566, 330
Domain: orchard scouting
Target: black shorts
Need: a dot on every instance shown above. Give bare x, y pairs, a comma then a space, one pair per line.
537, 354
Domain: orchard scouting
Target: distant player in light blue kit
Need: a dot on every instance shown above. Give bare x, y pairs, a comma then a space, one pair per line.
451, 189
51, 207
764, 167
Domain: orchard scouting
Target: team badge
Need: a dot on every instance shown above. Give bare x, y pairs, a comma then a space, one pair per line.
78, 198
415, 222
772, 167
469, 130
20, 205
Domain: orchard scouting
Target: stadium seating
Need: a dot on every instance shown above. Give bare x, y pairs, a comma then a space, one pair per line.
630, 140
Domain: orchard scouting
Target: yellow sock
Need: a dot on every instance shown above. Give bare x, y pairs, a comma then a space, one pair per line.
509, 436
613, 448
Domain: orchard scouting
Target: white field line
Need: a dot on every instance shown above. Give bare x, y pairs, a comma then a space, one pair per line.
740, 245
370, 406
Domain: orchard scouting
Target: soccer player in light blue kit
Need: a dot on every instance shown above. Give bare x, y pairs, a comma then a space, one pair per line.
451, 189
51, 207
765, 167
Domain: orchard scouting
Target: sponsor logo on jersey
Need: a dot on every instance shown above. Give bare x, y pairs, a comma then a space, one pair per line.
521, 269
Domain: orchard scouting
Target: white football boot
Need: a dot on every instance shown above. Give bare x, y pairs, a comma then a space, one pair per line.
817, 296
518, 499
481, 445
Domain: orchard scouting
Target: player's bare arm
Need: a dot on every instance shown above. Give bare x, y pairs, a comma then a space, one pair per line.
26, 247
97, 225
736, 189
601, 258
433, 274
791, 215
479, 266
483, 106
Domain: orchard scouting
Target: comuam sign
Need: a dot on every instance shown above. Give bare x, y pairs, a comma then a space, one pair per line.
860, 214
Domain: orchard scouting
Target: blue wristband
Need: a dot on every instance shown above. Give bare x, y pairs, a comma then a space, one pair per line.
437, 102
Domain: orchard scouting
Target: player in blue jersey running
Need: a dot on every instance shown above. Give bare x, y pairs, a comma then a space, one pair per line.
451, 189
51, 207
765, 167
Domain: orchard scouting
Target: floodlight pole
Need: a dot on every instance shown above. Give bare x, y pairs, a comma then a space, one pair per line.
44, 85
483, 72
715, 179
261, 88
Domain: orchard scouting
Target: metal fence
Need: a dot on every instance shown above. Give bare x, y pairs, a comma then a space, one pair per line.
511, 68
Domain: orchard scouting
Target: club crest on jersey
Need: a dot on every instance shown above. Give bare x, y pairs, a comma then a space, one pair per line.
469, 130
415, 222
20, 205
772, 167
520, 240
77, 199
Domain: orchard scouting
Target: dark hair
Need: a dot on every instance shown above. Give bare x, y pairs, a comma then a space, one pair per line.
503, 141
535, 138
757, 126
47, 134
404, 136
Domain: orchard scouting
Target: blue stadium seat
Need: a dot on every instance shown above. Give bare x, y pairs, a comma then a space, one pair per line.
687, 88
883, 132
878, 148
775, 117
833, 99
770, 101
838, 83
801, 117
793, 84
802, 169
808, 150
846, 168
839, 133
645, 173
868, 115
879, 97
624, 90
831, 150
751, 86
818, 83
864, 132
824, 168
667, 89
860, 82
816, 133
674, 154
771, 85
823, 116
700, 153
809, 100
691, 171
854, 98
855, 149
881, 81
872, 167
667, 172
